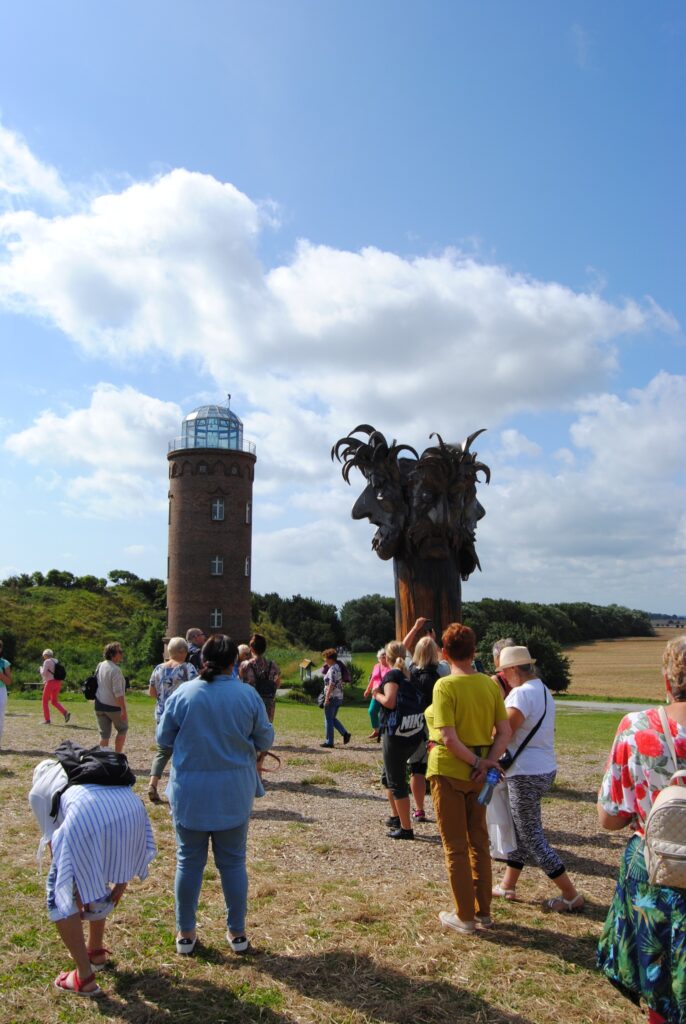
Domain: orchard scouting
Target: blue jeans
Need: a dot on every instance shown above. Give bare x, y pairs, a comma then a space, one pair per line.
330, 713
228, 847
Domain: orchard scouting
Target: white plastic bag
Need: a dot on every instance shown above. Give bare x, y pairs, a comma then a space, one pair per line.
501, 830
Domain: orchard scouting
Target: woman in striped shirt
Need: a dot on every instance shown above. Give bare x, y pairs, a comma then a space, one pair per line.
101, 836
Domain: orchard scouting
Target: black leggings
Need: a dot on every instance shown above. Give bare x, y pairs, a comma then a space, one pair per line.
396, 752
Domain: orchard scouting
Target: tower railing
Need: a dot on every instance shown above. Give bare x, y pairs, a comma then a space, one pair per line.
178, 444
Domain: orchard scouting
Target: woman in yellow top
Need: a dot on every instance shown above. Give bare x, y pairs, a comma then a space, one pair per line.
467, 708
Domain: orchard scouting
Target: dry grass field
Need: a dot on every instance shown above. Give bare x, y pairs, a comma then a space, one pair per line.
630, 667
344, 922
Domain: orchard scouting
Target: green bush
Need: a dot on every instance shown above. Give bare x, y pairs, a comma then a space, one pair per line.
551, 663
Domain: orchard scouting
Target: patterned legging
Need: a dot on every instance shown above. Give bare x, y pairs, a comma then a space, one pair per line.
525, 793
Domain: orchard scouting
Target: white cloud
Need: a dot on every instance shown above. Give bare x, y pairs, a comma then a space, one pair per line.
169, 271
171, 267
23, 175
581, 42
121, 440
514, 444
122, 429
612, 519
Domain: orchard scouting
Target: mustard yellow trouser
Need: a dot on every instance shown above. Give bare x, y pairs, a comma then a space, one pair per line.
462, 824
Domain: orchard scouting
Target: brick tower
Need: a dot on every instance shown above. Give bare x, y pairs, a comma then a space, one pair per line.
211, 473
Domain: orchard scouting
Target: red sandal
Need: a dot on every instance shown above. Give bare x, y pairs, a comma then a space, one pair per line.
98, 952
77, 986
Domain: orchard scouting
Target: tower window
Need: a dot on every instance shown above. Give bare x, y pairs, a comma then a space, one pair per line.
216, 618
247, 566
217, 566
202, 468
218, 510
248, 512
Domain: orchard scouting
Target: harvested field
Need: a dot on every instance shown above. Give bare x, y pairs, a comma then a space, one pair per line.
630, 667
343, 921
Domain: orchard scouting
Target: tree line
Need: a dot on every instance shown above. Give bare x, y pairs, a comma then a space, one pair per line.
133, 608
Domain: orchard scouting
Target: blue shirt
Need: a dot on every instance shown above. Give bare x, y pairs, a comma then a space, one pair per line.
215, 730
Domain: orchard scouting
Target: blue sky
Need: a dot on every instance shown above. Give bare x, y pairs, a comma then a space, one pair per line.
438, 216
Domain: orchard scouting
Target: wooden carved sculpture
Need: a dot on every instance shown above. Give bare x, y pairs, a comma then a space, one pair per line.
425, 509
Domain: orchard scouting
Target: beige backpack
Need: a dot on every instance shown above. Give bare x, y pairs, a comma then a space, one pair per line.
665, 827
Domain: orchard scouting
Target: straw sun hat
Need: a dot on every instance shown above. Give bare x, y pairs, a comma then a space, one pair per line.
511, 657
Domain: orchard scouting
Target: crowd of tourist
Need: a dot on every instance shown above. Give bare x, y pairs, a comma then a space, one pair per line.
444, 726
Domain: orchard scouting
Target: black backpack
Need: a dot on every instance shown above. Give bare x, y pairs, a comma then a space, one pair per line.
425, 679
59, 672
407, 717
98, 766
89, 687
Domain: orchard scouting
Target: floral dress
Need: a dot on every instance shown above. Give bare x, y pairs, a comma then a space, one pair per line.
642, 949
166, 678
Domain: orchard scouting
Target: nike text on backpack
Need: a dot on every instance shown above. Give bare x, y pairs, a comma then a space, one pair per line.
97, 766
665, 827
407, 717
59, 671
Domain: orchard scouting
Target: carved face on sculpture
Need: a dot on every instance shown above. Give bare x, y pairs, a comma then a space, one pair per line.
443, 506
382, 502
424, 507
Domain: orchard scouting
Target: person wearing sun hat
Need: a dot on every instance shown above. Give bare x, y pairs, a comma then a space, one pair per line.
530, 775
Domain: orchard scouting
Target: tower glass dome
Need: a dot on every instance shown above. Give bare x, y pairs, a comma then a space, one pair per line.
211, 426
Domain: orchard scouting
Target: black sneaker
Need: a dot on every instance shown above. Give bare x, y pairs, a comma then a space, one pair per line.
329, 745
393, 822
401, 833
347, 738
67, 716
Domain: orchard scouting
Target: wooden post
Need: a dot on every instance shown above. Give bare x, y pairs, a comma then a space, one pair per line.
429, 587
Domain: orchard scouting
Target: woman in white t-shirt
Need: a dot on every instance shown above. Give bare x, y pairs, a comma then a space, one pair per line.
530, 777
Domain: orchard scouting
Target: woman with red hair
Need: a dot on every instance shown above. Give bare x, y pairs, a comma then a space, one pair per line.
467, 709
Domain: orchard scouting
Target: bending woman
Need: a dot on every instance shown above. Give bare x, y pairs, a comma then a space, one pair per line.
215, 726
531, 712
642, 949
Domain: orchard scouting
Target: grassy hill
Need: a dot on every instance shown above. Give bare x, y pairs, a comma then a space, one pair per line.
77, 624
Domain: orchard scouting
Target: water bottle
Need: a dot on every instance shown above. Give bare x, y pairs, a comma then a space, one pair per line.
492, 780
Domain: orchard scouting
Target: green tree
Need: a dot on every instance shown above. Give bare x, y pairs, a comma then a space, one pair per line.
59, 578
9, 643
551, 662
370, 618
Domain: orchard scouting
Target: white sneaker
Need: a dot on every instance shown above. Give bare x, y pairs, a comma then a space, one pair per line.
238, 943
483, 921
450, 920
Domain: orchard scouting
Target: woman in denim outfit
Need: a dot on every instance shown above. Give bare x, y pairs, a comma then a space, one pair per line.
216, 727
333, 698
